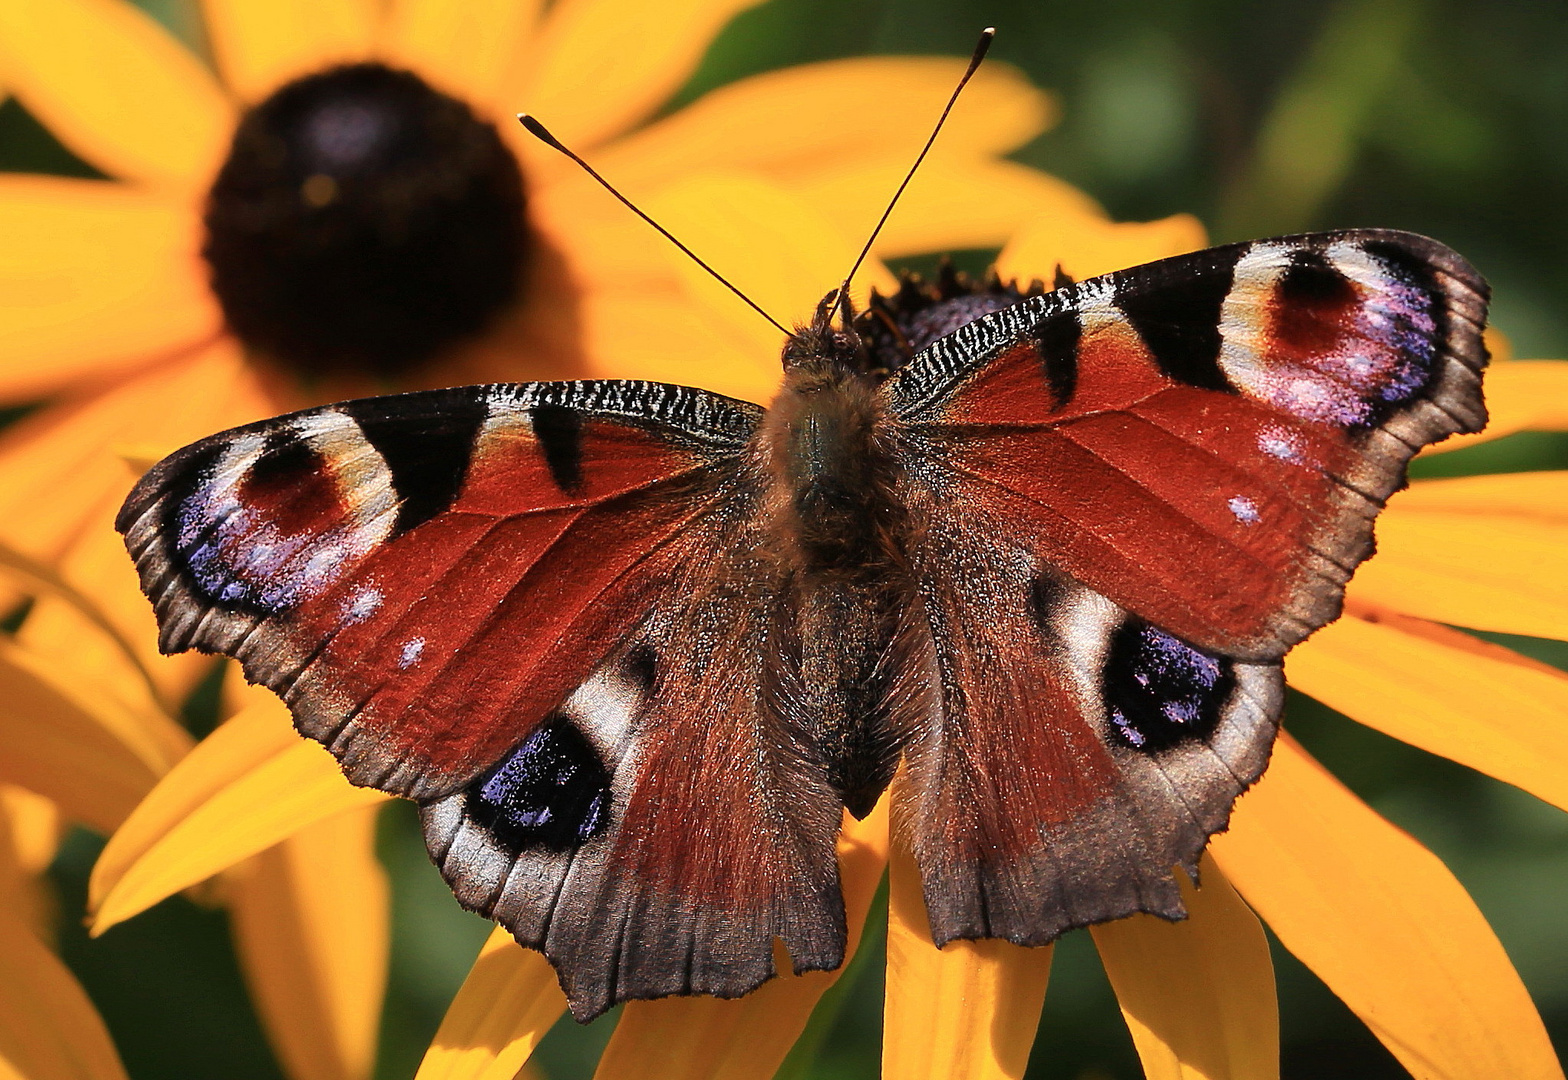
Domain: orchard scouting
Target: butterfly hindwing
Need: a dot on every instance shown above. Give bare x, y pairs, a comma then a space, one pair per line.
724, 823
1073, 753
1132, 496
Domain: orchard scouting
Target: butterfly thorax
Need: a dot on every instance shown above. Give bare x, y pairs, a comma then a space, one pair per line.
833, 470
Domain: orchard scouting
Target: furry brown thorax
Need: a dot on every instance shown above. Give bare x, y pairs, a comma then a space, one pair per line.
835, 474
826, 437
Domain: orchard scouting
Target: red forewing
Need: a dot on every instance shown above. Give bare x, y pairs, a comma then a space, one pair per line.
1235, 420
423, 577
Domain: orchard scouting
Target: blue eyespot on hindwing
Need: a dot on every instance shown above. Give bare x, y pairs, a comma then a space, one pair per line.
552, 792
1160, 691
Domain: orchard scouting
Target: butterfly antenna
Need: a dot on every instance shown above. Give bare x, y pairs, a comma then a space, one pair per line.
539, 131
974, 62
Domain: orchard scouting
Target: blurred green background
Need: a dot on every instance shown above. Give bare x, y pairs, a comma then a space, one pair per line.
1444, 117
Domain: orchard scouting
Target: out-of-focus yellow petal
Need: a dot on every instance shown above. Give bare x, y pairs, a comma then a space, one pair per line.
812, 119
1384, 923
95, 633
1444, 691
59, 479
311, 921
49, 1029
94, 278
632, 56
34, 825
462, 46
1445, 565
1528, 496
30, 829
775, 248
1198, 995
262, 44
75, 741
250, 784
969, 1009
667, 340
1085, 246
115, 87
952, 203
61, 484
1524, 395
504, 1007
704, 1038
1498, 344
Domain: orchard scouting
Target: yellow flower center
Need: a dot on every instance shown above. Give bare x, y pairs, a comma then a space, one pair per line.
363, 223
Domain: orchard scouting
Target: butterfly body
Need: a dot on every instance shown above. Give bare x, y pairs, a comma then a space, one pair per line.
635, 648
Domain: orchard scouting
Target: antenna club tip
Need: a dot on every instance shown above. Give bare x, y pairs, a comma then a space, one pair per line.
539, 131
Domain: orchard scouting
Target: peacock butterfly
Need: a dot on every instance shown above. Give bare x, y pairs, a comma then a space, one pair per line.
635, 648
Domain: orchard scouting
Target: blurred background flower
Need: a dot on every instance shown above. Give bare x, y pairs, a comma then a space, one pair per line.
1261, 118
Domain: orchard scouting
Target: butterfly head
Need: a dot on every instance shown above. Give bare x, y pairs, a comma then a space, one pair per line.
829, 348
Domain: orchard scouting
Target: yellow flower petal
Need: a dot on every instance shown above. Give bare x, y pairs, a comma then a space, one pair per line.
250, 784
1524, 395
1086, 246
75, 742
969, 1009
262, 44
775, 248
1450, 567
812, 119
462, 46
668, 340
598, 66
33, 824
94, 277
1384, 923
49, 1029
115, 87
504, 1007
311, 921
1198, 995
30, 829
94, 632
1531, 496
704, 1038
952, 203
1444, 691
60, 488
57, 480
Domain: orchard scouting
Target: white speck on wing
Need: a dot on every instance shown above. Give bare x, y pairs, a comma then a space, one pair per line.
412, 650
1245, 509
